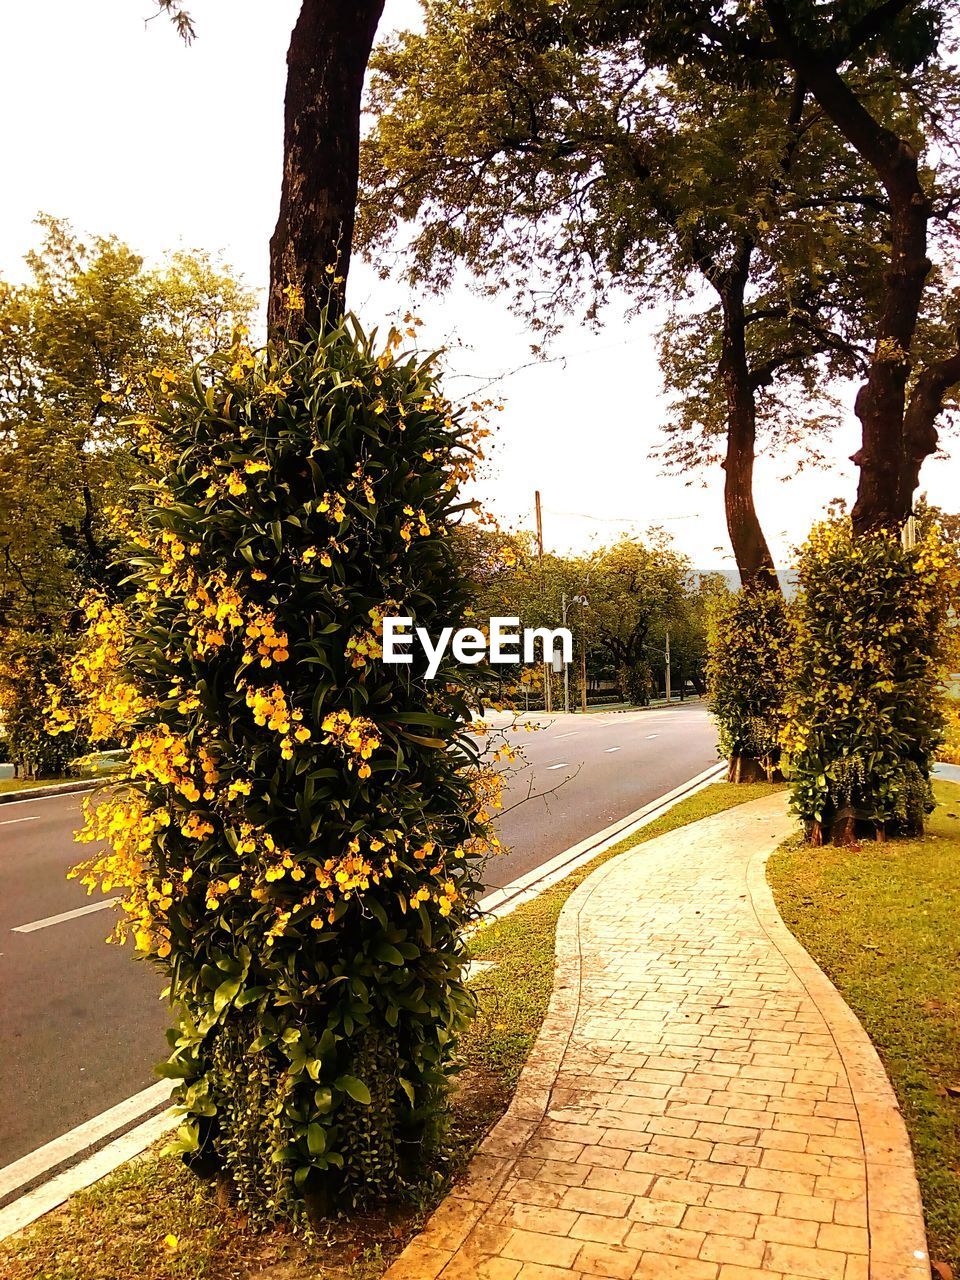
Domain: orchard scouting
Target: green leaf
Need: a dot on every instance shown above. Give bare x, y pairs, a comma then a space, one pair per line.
225, 993
357, 1090
388, 953
316, 1139
248, 996
187, 1140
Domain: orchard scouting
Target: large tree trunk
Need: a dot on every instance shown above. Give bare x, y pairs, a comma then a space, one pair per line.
750, 548
894, 441
310, 248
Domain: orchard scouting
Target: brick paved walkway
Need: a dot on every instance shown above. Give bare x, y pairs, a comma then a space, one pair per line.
700, 1102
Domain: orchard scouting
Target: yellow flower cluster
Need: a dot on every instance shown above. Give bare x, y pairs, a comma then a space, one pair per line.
105, 698
125, 823
416, 523
157, 755
166, 379
362, 482
271, 710
334, 505
356, 736
271, 643
196, 827
363, 648
219, 612
313, 553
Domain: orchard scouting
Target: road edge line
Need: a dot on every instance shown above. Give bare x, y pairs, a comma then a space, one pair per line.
50, 1195
501, 902
81, 1138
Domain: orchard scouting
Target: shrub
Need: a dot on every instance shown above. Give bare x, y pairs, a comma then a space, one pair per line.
950, 752
635, 683
30, 662
749, 644
865, 714
298, 843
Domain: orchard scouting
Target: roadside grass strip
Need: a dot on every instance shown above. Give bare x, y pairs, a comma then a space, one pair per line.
883, 922
153, 1220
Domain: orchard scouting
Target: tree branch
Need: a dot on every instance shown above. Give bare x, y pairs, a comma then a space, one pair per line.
919, 420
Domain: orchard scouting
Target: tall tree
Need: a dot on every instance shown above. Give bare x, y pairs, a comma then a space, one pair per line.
310, 249
883, 73
634, 587
80, 342
533, 141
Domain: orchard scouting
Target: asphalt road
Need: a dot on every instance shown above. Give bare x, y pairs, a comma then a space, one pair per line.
580, 773
83, 1023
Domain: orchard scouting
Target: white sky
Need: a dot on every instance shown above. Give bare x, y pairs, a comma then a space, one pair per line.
114, 124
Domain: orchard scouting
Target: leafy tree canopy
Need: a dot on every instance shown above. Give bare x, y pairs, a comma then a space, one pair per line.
539, 146
80, 342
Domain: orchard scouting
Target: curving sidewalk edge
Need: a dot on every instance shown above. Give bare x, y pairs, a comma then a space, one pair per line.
898, 1245
450, 1225
894, 1209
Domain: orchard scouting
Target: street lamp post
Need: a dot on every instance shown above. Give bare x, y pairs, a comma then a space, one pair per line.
566, 665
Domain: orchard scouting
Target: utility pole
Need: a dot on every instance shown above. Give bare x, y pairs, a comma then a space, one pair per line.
547, 690
666, 658
582, 601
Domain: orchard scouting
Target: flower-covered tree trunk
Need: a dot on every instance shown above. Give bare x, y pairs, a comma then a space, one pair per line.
298, 843
749, 645
865, 713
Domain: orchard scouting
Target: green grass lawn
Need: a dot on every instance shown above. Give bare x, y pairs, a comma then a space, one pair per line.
29, 784
884, 922
117, 1229
25, 784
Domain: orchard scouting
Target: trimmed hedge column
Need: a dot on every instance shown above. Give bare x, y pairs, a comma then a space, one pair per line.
299, 843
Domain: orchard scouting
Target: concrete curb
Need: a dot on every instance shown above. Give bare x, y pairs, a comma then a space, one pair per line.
894, 1208
57, 789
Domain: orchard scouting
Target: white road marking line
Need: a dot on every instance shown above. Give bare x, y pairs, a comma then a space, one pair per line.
571, 734
562, 765
652, 735
609, 749
64, 915
28, 1208
85, 1135
9, 822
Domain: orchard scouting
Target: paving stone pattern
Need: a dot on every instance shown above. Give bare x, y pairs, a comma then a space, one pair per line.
700, 1103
